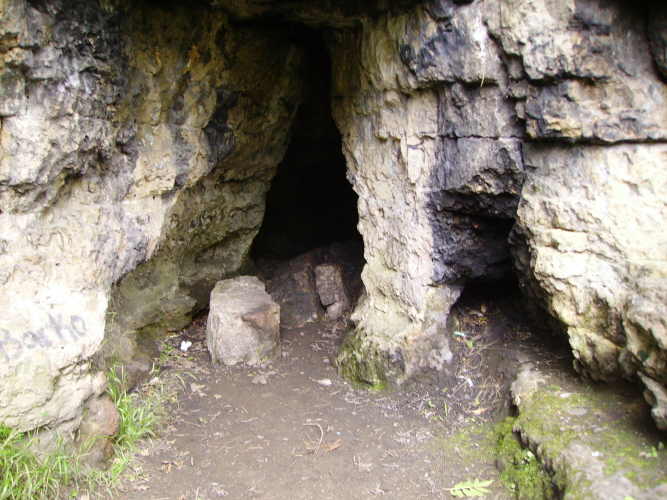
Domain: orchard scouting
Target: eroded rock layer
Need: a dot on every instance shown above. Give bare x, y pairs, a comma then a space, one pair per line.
136, 143
446, 112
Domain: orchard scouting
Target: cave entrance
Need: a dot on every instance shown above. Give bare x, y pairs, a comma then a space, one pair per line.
311, 209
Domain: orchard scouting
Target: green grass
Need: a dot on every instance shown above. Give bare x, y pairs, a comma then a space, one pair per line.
24, 476
61, 474
138, 419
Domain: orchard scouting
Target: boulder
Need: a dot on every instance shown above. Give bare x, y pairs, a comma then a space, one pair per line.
243, 322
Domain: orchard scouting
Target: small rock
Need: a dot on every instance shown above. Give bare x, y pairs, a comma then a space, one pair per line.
655, 394
331, 290
197, 388
100, 423
292, 286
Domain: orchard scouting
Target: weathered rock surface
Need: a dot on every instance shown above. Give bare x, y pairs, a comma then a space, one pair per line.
100, 423
133, 138
243, 322
433, 144
592, 220
137, 143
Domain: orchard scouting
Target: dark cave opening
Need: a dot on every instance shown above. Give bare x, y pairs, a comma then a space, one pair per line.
310, 204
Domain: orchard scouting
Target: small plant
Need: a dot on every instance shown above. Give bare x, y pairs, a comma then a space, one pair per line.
652, 452
470, 488
167, 352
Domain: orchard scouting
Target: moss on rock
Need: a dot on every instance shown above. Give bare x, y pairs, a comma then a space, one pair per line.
595, 439
521, 472
362, 363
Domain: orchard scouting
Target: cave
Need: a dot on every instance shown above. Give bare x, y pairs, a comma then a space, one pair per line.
152, 151
311, 203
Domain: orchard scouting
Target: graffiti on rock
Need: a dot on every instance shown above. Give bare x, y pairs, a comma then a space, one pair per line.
56, 332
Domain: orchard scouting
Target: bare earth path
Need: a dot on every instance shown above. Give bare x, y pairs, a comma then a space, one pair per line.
295, 430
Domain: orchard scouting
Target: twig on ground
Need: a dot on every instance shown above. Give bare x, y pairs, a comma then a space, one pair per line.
315, 449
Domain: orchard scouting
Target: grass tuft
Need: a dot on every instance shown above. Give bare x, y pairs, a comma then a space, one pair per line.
61, 474
24, 476
138, 419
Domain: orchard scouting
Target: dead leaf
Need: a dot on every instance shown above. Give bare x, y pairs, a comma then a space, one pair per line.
329, 447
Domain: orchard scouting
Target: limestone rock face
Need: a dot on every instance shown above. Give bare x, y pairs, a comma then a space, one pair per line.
136, 146
243, 322
137, 143
433, 144
588, 242
220, 129
455, 114
592, 219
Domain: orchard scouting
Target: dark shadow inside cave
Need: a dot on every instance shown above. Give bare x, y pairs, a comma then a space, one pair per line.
311, 203
308, 250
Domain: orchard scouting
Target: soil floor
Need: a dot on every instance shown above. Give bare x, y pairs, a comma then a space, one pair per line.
295, 430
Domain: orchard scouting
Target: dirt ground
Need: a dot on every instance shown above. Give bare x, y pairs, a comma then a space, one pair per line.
295, 430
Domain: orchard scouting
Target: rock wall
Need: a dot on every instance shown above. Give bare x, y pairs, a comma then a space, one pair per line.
588, 239
454, 112
132, 138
